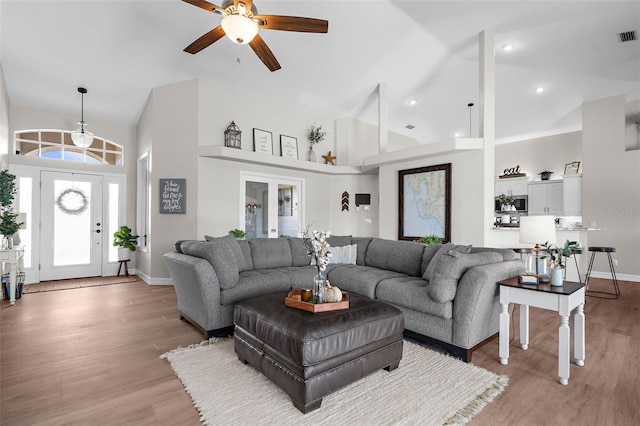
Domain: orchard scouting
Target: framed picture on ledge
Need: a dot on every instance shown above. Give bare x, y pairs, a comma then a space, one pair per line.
424, 207
572, 168
288, 147
262, 141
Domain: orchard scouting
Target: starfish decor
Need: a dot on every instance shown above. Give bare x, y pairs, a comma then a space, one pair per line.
329, 159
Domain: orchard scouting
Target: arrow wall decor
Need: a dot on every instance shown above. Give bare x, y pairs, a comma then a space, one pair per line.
345, 201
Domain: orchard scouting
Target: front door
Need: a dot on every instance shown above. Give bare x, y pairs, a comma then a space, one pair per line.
71, 225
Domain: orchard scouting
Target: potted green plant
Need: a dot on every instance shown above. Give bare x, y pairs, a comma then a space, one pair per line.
238, 234
506, 201
430, 239
558, 256
8, 223
126, 241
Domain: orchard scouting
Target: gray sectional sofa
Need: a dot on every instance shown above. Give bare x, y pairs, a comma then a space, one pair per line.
448, 293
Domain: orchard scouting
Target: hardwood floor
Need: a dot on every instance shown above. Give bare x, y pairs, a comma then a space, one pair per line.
606, 391
90, 356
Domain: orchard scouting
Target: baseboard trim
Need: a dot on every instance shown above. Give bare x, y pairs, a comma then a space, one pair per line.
621, 277
154, 281
456, 351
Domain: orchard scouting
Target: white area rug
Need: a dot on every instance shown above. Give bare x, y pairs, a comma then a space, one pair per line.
427, 389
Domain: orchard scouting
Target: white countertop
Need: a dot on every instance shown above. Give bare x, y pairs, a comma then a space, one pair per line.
512, 228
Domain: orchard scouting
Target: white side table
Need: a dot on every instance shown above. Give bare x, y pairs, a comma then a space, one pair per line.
565, 300
12, 257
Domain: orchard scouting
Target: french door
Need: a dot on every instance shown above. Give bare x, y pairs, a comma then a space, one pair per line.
270, 205
71, 233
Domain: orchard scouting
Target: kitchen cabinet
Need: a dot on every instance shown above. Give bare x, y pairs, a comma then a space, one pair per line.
572, 194
546, 197
511, 186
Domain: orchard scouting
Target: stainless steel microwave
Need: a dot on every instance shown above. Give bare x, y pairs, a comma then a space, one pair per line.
521, 203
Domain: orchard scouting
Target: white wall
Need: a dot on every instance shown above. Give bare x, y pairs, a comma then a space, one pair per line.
172, 115
540, 154
611, 185
145, 139
354, 221
466, 196
219, 198
357, 140
24, 118
4, 121
219, 104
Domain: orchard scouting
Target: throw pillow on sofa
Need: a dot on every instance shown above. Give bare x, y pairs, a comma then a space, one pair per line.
346, 254
233, 245
450, 267
299, 251
219, 256
428, 273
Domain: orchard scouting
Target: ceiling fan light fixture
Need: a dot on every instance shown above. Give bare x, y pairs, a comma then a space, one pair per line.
80, 137
239, 28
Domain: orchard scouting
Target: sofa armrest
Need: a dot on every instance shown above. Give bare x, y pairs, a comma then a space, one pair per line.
476, 307
197, 288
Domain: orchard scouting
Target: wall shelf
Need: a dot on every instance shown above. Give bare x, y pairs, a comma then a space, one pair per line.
450, 146
244, 156
369, 164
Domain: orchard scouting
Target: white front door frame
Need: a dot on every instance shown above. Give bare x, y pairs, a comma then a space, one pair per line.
33, 247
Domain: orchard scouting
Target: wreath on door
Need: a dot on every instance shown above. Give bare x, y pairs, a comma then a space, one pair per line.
72, 201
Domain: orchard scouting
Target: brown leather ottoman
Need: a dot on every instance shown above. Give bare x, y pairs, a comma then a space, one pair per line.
311, 355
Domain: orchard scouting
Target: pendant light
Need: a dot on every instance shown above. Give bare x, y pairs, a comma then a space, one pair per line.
81, 137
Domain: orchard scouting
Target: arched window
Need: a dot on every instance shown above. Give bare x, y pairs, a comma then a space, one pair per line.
57, 144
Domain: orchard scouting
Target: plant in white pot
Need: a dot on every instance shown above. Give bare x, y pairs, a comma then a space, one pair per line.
126, 241
557, 254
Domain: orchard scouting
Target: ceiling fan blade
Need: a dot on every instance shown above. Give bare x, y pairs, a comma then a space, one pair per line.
264, 53
292, 23
206, 40
205, 5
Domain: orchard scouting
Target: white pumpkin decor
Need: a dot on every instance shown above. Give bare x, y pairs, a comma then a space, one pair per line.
332, 294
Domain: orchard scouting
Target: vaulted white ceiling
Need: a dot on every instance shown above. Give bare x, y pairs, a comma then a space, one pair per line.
428, 50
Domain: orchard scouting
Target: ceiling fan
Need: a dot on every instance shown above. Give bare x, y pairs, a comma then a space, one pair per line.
241, 23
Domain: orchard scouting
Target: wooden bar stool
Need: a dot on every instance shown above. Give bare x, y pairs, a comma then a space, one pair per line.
602, 294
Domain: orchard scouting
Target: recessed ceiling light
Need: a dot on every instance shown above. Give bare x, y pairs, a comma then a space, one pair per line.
410, 126
507, 47
539, 89
457, 134
413, 101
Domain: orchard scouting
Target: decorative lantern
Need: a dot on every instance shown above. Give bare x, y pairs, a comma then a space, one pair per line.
232, 136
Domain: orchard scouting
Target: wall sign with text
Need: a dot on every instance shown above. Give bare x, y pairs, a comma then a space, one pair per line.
173, 196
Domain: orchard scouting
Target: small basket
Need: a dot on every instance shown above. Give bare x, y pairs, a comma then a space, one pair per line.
20, 278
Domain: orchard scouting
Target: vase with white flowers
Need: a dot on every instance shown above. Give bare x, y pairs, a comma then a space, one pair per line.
320, 254
315, 135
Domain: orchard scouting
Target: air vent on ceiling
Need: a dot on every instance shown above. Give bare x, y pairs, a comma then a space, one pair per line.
626, 36
410, 126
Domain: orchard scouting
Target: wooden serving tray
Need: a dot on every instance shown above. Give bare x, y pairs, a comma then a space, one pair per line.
294, 300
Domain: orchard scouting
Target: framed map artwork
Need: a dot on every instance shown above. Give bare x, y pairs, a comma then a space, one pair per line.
425, 202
